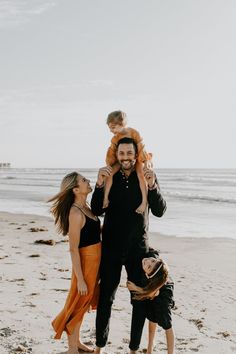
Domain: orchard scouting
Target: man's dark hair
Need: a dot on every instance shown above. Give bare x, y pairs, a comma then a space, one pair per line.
127, 140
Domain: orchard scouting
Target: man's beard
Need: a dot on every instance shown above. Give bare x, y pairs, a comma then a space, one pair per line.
127, 164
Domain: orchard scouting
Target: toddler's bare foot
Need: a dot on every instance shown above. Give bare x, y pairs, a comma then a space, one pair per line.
84, 348
141, 208
105, 203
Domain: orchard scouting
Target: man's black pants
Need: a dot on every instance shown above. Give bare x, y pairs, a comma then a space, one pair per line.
111, 267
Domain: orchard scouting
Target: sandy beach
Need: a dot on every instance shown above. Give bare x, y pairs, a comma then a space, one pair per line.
35, 277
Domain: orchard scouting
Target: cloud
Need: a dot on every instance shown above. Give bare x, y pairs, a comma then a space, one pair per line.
17, 12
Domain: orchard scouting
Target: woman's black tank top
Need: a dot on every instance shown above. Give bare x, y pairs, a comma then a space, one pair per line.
91, 232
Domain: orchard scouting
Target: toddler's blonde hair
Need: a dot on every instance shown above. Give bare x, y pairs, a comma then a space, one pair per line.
117, 117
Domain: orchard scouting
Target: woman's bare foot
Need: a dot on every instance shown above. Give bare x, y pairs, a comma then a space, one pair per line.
84, 348
72, 351
141, 208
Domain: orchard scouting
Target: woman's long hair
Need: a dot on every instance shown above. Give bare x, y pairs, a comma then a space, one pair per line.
63, 201
155, 281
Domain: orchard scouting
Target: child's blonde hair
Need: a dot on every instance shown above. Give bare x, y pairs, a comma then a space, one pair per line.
117, 117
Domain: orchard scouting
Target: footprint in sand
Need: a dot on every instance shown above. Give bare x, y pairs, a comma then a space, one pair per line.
6, 332
225, 334
44, 276
62, 270
182, 341
117, 308
197, 322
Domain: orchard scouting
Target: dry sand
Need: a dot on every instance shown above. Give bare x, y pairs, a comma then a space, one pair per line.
35, 279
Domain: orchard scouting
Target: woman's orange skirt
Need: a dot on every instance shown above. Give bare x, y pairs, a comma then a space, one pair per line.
76, 305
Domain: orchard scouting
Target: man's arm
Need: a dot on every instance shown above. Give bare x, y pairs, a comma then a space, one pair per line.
98, 194
155, 200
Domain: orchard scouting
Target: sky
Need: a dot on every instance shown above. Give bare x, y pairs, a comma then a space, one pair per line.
66, 64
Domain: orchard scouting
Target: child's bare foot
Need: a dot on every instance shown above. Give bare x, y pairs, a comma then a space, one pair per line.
141, 208
84, 348
105, 203
98, 350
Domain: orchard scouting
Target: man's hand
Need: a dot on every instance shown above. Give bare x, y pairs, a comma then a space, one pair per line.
103, 173
150, 176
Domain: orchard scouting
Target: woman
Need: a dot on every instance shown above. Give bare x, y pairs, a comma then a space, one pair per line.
74, 217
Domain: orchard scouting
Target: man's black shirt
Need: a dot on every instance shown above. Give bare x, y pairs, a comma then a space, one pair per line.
124, 231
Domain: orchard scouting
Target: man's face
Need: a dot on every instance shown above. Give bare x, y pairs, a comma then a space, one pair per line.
126, 156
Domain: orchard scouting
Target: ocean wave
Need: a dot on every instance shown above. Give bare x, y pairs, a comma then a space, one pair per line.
198, 197
201, 181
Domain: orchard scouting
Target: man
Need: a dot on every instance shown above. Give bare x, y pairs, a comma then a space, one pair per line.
124, 234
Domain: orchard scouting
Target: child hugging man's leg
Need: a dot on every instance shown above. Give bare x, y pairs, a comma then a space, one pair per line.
153, 301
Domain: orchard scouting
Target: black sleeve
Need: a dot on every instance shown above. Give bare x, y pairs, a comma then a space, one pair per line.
156, 202
153, 253
97, 201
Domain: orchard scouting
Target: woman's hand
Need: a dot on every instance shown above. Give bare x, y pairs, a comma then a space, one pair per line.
103, 173
82, 287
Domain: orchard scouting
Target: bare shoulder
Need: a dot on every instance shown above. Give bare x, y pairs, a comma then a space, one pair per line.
76, 216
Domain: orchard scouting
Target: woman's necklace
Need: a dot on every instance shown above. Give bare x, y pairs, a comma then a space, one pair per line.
81, 206
86, 210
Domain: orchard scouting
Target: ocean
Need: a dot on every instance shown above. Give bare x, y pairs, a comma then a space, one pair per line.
200, 202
